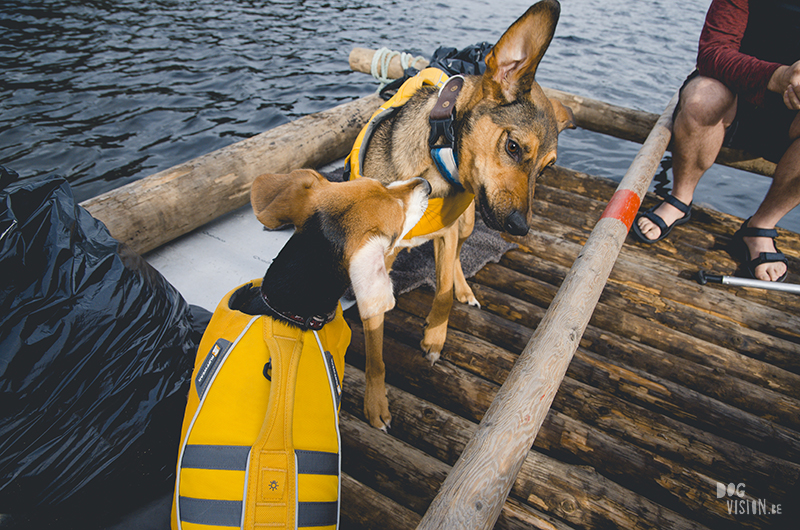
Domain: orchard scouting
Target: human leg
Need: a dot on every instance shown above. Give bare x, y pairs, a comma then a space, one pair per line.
706, 109
782, 196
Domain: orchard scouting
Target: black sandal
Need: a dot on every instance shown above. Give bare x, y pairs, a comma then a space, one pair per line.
740, 250
659, 222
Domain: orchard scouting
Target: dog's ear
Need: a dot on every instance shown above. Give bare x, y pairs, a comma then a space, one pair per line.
279, 200
564, 117
511, 65
370, 279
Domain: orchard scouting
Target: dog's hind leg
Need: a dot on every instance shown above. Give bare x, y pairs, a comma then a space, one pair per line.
466, 223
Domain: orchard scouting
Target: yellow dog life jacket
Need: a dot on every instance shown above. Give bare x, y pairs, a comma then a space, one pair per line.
441, 212
257, 452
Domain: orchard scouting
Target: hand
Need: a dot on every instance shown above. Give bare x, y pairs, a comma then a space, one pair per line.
791, 97
786, 81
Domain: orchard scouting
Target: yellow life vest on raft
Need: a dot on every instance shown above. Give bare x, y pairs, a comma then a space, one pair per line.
257, 452
441, 212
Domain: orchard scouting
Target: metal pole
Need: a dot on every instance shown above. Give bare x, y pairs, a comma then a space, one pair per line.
704, 277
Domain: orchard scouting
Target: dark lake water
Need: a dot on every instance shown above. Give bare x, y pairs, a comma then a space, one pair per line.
107, 92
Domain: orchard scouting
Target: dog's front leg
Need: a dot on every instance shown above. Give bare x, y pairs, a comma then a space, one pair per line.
445, 250
376, 404
466, 224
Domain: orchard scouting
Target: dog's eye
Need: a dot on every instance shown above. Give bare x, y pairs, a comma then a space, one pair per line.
513, 149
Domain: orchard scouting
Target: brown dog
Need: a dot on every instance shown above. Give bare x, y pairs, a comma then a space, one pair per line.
506, 133
343, 235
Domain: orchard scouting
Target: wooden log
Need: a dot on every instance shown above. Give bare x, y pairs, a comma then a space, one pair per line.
361, 61
517, 515
676, 440
601, 188
409, 477
480, 481
576, 494
594, 115
767, 334
366, 509
725, 374
639, 387
152, 211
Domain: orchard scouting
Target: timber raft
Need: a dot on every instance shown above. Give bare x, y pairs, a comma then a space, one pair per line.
675, 386
675, 390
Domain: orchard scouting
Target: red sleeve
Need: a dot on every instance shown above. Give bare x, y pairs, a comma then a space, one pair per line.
718, 53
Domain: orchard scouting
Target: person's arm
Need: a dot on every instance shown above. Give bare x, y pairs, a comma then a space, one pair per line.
718, 53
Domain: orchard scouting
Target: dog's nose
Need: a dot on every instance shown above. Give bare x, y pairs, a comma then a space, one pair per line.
516, 224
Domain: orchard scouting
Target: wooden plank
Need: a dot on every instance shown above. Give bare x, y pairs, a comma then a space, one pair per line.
157, 209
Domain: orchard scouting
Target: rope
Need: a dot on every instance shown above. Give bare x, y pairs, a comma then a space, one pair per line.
380, 64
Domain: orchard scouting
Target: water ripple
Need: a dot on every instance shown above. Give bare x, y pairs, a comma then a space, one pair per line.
107, 92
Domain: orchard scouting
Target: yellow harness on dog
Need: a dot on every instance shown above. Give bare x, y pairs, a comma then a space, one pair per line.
260, 442
441, 212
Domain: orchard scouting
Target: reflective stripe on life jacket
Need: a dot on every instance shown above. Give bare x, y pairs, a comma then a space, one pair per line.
257, 450
441, 212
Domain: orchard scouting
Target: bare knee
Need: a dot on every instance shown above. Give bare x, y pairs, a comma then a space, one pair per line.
706, 102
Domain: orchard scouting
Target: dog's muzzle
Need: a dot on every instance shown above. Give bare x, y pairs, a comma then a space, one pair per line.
515, 224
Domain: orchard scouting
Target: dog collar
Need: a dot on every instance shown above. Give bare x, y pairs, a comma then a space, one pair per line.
315, 322
444, 154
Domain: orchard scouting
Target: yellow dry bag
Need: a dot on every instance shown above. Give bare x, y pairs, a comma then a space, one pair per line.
260, 443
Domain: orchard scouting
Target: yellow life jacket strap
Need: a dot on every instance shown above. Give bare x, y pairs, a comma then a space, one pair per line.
441, 212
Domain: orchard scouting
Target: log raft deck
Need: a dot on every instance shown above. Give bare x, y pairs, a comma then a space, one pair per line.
671, 389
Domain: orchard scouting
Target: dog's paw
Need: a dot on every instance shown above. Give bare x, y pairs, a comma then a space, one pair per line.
433, 356
466, 296
472, 302
376, 409
433, 340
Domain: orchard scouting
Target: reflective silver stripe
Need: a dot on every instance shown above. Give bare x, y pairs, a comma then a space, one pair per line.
225, 457
317, 514
317, 462
185, 441
210, 512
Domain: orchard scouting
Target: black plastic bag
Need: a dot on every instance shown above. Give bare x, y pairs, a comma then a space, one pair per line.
96, 353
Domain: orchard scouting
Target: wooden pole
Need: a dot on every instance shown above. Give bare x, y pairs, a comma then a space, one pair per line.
150, 212
475, 490
595, 116
361, 61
